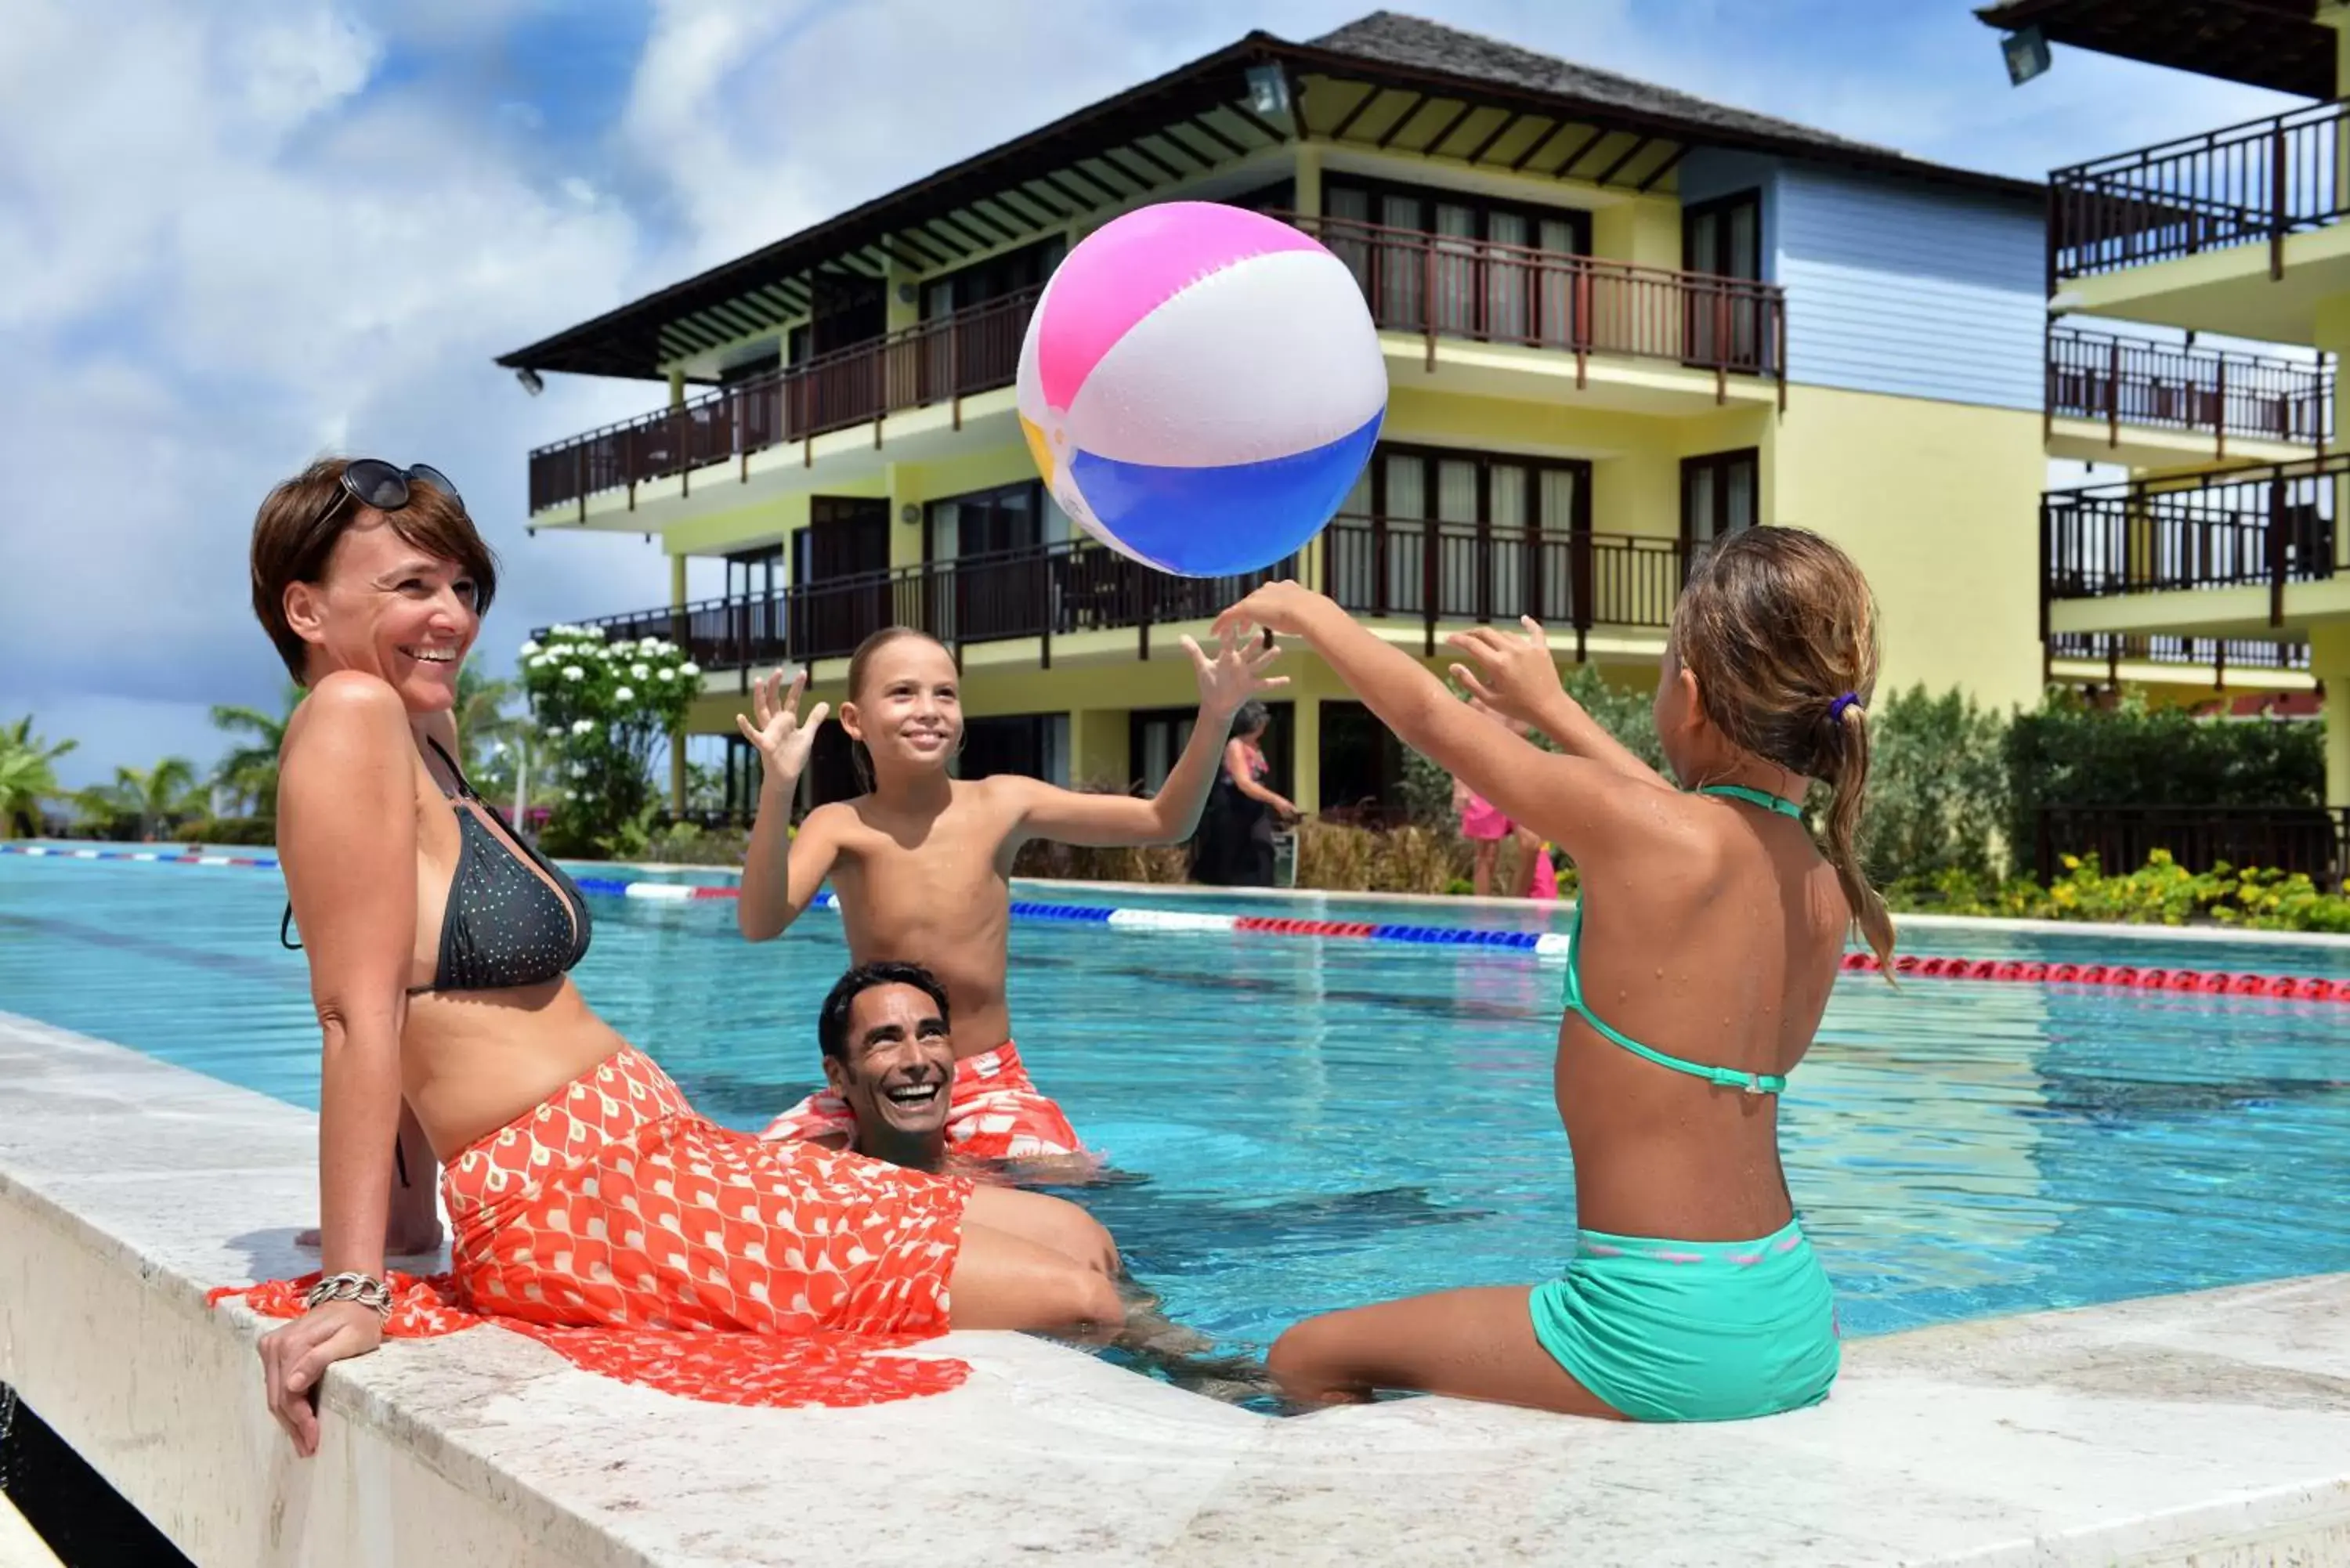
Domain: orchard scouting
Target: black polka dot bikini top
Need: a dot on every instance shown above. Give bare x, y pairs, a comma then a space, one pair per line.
503, 925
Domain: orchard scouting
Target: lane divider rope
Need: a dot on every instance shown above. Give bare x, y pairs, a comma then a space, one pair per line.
1909, 966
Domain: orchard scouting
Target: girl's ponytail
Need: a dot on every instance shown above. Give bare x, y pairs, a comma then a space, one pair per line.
1845, 768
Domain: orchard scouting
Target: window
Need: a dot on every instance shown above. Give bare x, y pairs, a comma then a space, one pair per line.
1491, 532
993, 278
765, 363
1471, 286
1724, 238
985, 522
1035, 746
986, 579
1362, 761
1156, 738
1720, 494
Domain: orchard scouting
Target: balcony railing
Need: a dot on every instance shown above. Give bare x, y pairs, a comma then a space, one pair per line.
717, 634
1377, 567
2217, 654
1440, 287
1436, 285
2203, 391
2262, 181
2272, 524
2311, 839
958, 356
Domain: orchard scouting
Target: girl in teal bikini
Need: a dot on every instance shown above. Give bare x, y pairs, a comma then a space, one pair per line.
1693, 991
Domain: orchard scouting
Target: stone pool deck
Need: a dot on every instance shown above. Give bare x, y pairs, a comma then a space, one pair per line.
2210, 1429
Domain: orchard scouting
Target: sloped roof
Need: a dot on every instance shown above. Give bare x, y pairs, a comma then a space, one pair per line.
2275, 44
1394, 38
1386, 82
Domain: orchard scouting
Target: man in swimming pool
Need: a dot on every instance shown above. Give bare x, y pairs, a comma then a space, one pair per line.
888, 1055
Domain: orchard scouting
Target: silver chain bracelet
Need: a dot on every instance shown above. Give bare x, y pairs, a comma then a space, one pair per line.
364, 1289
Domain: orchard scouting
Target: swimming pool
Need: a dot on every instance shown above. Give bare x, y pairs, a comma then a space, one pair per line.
1324, 1123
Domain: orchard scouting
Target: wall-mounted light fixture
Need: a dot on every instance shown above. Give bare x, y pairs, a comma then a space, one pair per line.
2026, 50
905, 294
910, 513
1268, 88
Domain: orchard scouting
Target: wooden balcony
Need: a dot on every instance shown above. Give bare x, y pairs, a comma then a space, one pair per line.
1378, 569
2272, 525
2217, 654
1433, 286
2256, 183
955, 357
2132, 387
1439, 286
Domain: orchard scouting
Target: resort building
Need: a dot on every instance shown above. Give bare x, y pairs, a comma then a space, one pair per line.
1619, 320
2237, 233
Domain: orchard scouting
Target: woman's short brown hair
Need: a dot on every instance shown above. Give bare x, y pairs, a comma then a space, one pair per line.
299, 521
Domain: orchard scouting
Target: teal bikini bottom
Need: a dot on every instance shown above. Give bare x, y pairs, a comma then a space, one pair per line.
1693, 1331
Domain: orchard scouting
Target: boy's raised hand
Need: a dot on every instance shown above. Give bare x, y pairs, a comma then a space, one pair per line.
1236, 674
776, 726
1516, 676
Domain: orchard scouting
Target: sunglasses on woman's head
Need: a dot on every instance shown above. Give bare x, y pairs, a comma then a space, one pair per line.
371, 481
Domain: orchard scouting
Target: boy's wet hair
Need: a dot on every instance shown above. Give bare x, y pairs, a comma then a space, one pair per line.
832, 1021
860, 758
1778, 626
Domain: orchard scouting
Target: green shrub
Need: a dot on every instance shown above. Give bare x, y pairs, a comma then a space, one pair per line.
2070, 753
2160, 892
239, 830
1937, 786
687, 844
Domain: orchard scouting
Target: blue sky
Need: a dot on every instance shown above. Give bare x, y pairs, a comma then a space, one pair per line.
235, 235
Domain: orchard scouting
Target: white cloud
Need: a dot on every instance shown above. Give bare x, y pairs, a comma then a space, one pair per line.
233, 236
227, 251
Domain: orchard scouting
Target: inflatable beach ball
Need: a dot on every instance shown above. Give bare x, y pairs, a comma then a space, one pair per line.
1200, 385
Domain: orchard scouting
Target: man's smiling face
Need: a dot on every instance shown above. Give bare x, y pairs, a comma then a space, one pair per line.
898, 1069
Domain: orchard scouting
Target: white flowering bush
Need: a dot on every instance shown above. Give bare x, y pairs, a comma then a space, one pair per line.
603, 710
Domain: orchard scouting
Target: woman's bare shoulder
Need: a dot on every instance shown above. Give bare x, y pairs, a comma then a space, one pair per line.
348, 708
348, 725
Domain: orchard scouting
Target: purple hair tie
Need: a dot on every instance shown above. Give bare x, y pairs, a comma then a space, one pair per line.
1836, 709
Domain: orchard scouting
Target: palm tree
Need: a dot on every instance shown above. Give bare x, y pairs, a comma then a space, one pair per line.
481, 718
250, 771
27, 774
151, 797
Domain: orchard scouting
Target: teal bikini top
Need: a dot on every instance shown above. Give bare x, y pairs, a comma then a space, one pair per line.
1752, 1083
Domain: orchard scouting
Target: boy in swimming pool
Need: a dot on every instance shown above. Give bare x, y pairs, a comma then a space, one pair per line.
1693, 1293
922, 863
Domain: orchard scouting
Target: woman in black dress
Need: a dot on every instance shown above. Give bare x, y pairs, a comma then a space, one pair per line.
1234, 849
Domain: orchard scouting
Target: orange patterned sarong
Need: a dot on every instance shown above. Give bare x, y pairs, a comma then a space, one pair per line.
639, 1241
995, 1111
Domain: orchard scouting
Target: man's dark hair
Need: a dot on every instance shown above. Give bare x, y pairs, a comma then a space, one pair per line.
832, 1023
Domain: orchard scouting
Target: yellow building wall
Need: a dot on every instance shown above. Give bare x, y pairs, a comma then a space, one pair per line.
1939, 504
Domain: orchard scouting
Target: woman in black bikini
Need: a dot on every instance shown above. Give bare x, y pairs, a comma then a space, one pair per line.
584, 1191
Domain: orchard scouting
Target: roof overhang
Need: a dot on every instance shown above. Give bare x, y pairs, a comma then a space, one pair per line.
1182, 127
2274, 44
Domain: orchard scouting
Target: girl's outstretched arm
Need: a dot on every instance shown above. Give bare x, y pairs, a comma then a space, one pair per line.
1171, 816
1583, 806
1516, 677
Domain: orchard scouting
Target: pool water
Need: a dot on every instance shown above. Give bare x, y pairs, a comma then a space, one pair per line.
1320, 1124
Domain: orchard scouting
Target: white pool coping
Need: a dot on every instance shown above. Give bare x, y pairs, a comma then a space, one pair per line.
2210, 1428
19, 1547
